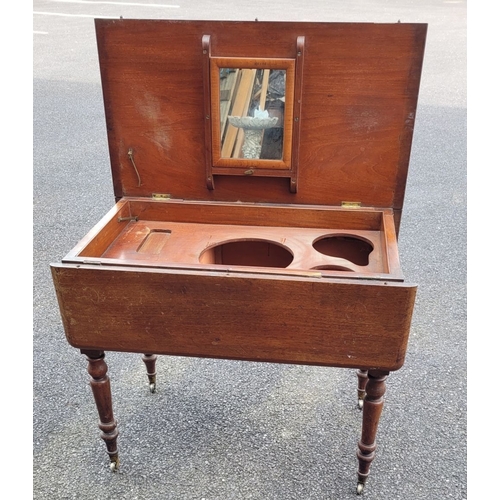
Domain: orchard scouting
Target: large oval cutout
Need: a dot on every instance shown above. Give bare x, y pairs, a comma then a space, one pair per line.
248, 252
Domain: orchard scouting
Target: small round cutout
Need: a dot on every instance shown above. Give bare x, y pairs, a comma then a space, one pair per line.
332, 268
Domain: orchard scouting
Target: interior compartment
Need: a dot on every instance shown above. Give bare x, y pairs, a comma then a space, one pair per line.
275, 238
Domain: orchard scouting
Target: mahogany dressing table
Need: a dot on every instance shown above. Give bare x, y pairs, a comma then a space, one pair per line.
259, 172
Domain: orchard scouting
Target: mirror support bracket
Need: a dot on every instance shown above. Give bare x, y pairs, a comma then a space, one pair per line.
297, 106
217, 160
207, 111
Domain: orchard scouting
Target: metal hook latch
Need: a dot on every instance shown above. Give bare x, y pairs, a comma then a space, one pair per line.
131, 158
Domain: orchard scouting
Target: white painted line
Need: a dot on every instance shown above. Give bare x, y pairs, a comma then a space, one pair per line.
73, 15
160, 6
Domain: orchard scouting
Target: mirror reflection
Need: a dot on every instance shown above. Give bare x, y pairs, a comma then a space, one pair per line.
252, 110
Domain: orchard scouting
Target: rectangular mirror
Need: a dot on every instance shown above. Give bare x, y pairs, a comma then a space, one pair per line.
252, 112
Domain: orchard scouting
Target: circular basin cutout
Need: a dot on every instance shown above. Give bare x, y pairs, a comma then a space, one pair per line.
332, 268
355, 250
248, 252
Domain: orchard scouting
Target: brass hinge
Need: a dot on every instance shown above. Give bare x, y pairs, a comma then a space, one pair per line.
351, 204
135, 218
160, 196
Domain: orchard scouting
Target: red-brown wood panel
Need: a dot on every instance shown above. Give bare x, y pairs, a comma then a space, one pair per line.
359, 91
225, 315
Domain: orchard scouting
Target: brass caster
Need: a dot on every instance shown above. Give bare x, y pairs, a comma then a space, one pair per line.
360, 488
114, 464
152, 382
361, 398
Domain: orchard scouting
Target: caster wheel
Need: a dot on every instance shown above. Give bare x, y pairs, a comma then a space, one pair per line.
114, 464
152, 388
360, 488
360, 403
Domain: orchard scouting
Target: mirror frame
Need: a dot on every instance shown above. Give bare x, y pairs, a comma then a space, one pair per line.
218, 63
215, 165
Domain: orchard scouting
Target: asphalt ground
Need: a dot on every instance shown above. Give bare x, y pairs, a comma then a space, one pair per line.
236, 430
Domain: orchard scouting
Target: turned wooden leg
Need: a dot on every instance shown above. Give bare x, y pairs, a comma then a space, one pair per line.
362, 380
101, 388
150, 362
372, 409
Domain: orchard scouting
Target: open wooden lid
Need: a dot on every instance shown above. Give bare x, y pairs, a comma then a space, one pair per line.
359, 96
